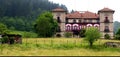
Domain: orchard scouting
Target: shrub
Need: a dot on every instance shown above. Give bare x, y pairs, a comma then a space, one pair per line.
82, 33
5, 39
68, 34
107, 36
117, 37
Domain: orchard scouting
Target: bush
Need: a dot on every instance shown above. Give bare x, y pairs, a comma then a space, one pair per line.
5, 39
117, 37
68, 34
82, 32
107, 36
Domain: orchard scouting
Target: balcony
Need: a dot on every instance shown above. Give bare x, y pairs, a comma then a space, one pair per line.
106, 30
106, 21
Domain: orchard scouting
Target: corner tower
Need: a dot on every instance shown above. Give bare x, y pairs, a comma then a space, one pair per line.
60, 15
106, 21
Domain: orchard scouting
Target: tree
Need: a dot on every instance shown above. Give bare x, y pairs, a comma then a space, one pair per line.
118, 32
92, 34
107, 36
45, 25
3, 28
117, 36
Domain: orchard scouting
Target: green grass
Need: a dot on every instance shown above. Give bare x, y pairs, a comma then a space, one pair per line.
59, 47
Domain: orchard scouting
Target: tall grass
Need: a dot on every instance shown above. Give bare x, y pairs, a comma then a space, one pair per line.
58, 46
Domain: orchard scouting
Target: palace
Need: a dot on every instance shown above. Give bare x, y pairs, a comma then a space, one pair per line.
75, 21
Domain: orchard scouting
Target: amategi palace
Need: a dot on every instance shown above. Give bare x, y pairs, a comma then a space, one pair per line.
75, 21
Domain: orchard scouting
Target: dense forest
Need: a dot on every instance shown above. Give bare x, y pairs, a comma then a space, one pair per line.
21, 14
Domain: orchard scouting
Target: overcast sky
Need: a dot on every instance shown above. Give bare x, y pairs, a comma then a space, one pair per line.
92, 5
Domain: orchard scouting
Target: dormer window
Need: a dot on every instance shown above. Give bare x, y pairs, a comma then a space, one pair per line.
58, 19
106, 20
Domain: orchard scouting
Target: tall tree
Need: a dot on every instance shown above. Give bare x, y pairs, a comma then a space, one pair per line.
46, 25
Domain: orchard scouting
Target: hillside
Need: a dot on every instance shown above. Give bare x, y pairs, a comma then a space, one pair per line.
21, 14
116, 26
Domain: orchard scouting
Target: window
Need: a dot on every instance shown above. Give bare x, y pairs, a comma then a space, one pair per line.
79, 21
106, 20
97, 21
90, 21
74, 21
75, 27
84, 21
68, 28
58, 30
106, 29
58, 19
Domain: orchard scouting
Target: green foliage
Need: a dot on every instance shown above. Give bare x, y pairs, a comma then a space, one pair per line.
107, 36
117, 37
118, 32
3, 29
92, 34
68, 34
46, 25
5, 39
20, 14
24, 34
82, 32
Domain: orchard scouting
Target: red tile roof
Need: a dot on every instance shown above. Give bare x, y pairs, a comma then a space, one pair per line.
59, 9
106, 9
85, 14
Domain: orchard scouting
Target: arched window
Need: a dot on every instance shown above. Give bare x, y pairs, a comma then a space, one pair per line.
75, 26
96, 25
58, 19
106, 20
68, 27
89, 25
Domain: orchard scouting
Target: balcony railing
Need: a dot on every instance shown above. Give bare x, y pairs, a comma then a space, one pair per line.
106, 30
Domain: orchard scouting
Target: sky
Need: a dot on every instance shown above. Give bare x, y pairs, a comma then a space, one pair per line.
92, 5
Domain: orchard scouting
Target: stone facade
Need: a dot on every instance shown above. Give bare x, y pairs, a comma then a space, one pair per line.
75, 21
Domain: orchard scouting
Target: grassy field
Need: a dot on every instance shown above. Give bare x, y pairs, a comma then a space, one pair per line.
58, 47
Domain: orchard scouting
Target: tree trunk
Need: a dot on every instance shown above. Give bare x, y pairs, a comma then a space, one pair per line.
91, 44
